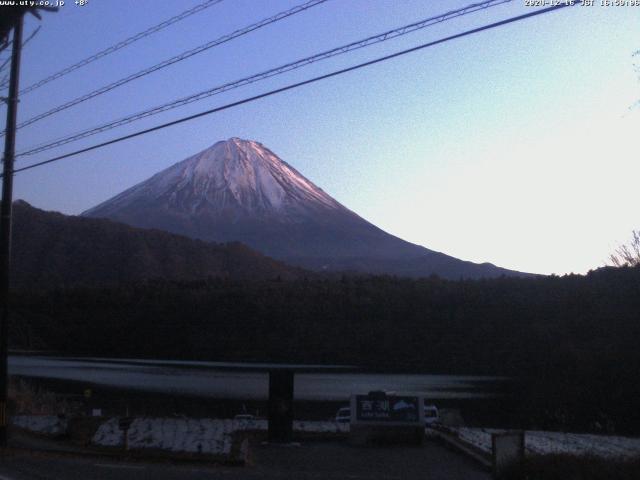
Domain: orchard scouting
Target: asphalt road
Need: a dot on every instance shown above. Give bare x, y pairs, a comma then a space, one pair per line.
313, 460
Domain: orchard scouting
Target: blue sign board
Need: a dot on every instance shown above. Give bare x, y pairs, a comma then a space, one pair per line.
388, 408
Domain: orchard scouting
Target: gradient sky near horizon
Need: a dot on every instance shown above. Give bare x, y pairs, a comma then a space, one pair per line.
516, 146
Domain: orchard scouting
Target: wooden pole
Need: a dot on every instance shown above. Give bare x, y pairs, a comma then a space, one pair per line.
5, 223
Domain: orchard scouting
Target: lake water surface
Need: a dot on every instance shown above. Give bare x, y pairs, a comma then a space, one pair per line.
243, 380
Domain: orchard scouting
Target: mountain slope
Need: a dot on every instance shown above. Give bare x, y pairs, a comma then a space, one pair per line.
55, 250
238, 190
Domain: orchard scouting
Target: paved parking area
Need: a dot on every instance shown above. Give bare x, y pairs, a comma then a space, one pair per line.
333, 460
311, 460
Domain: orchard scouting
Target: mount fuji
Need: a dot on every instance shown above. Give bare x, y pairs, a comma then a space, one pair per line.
238, 190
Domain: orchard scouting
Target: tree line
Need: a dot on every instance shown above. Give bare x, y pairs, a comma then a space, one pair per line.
570, 344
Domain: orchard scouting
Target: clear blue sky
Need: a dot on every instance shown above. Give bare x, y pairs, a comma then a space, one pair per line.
515, 146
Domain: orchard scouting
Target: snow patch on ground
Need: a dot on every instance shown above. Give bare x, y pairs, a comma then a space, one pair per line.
43, 424
320, 427
207, 436
544, 443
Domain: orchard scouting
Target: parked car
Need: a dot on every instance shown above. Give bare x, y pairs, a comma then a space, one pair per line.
431, 415
343, 415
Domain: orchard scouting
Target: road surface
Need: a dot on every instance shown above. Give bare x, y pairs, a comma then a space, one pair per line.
312, 460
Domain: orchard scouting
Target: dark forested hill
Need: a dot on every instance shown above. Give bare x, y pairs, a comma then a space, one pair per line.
571, 342
55, 250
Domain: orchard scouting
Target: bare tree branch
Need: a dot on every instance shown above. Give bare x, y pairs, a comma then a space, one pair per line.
627, 255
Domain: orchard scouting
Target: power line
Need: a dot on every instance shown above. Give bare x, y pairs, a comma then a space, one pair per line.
5, 84
128, 41
4, 65
382, 37
298, 84
175, 59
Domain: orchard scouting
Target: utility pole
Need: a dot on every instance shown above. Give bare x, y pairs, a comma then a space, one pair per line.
11, 18
5, 221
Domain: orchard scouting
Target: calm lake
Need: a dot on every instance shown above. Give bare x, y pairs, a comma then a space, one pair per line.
242, 380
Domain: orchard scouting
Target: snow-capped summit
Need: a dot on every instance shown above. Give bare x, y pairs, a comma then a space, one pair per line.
238, 190
239, 175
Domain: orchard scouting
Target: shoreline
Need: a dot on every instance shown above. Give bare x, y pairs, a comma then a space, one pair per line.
114, 401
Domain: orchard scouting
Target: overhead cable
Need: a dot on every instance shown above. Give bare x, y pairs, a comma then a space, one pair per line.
172, 60
124, 43
382, 37
297, 85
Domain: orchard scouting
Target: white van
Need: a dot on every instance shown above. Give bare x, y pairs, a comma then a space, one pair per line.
343, 415
431, 415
